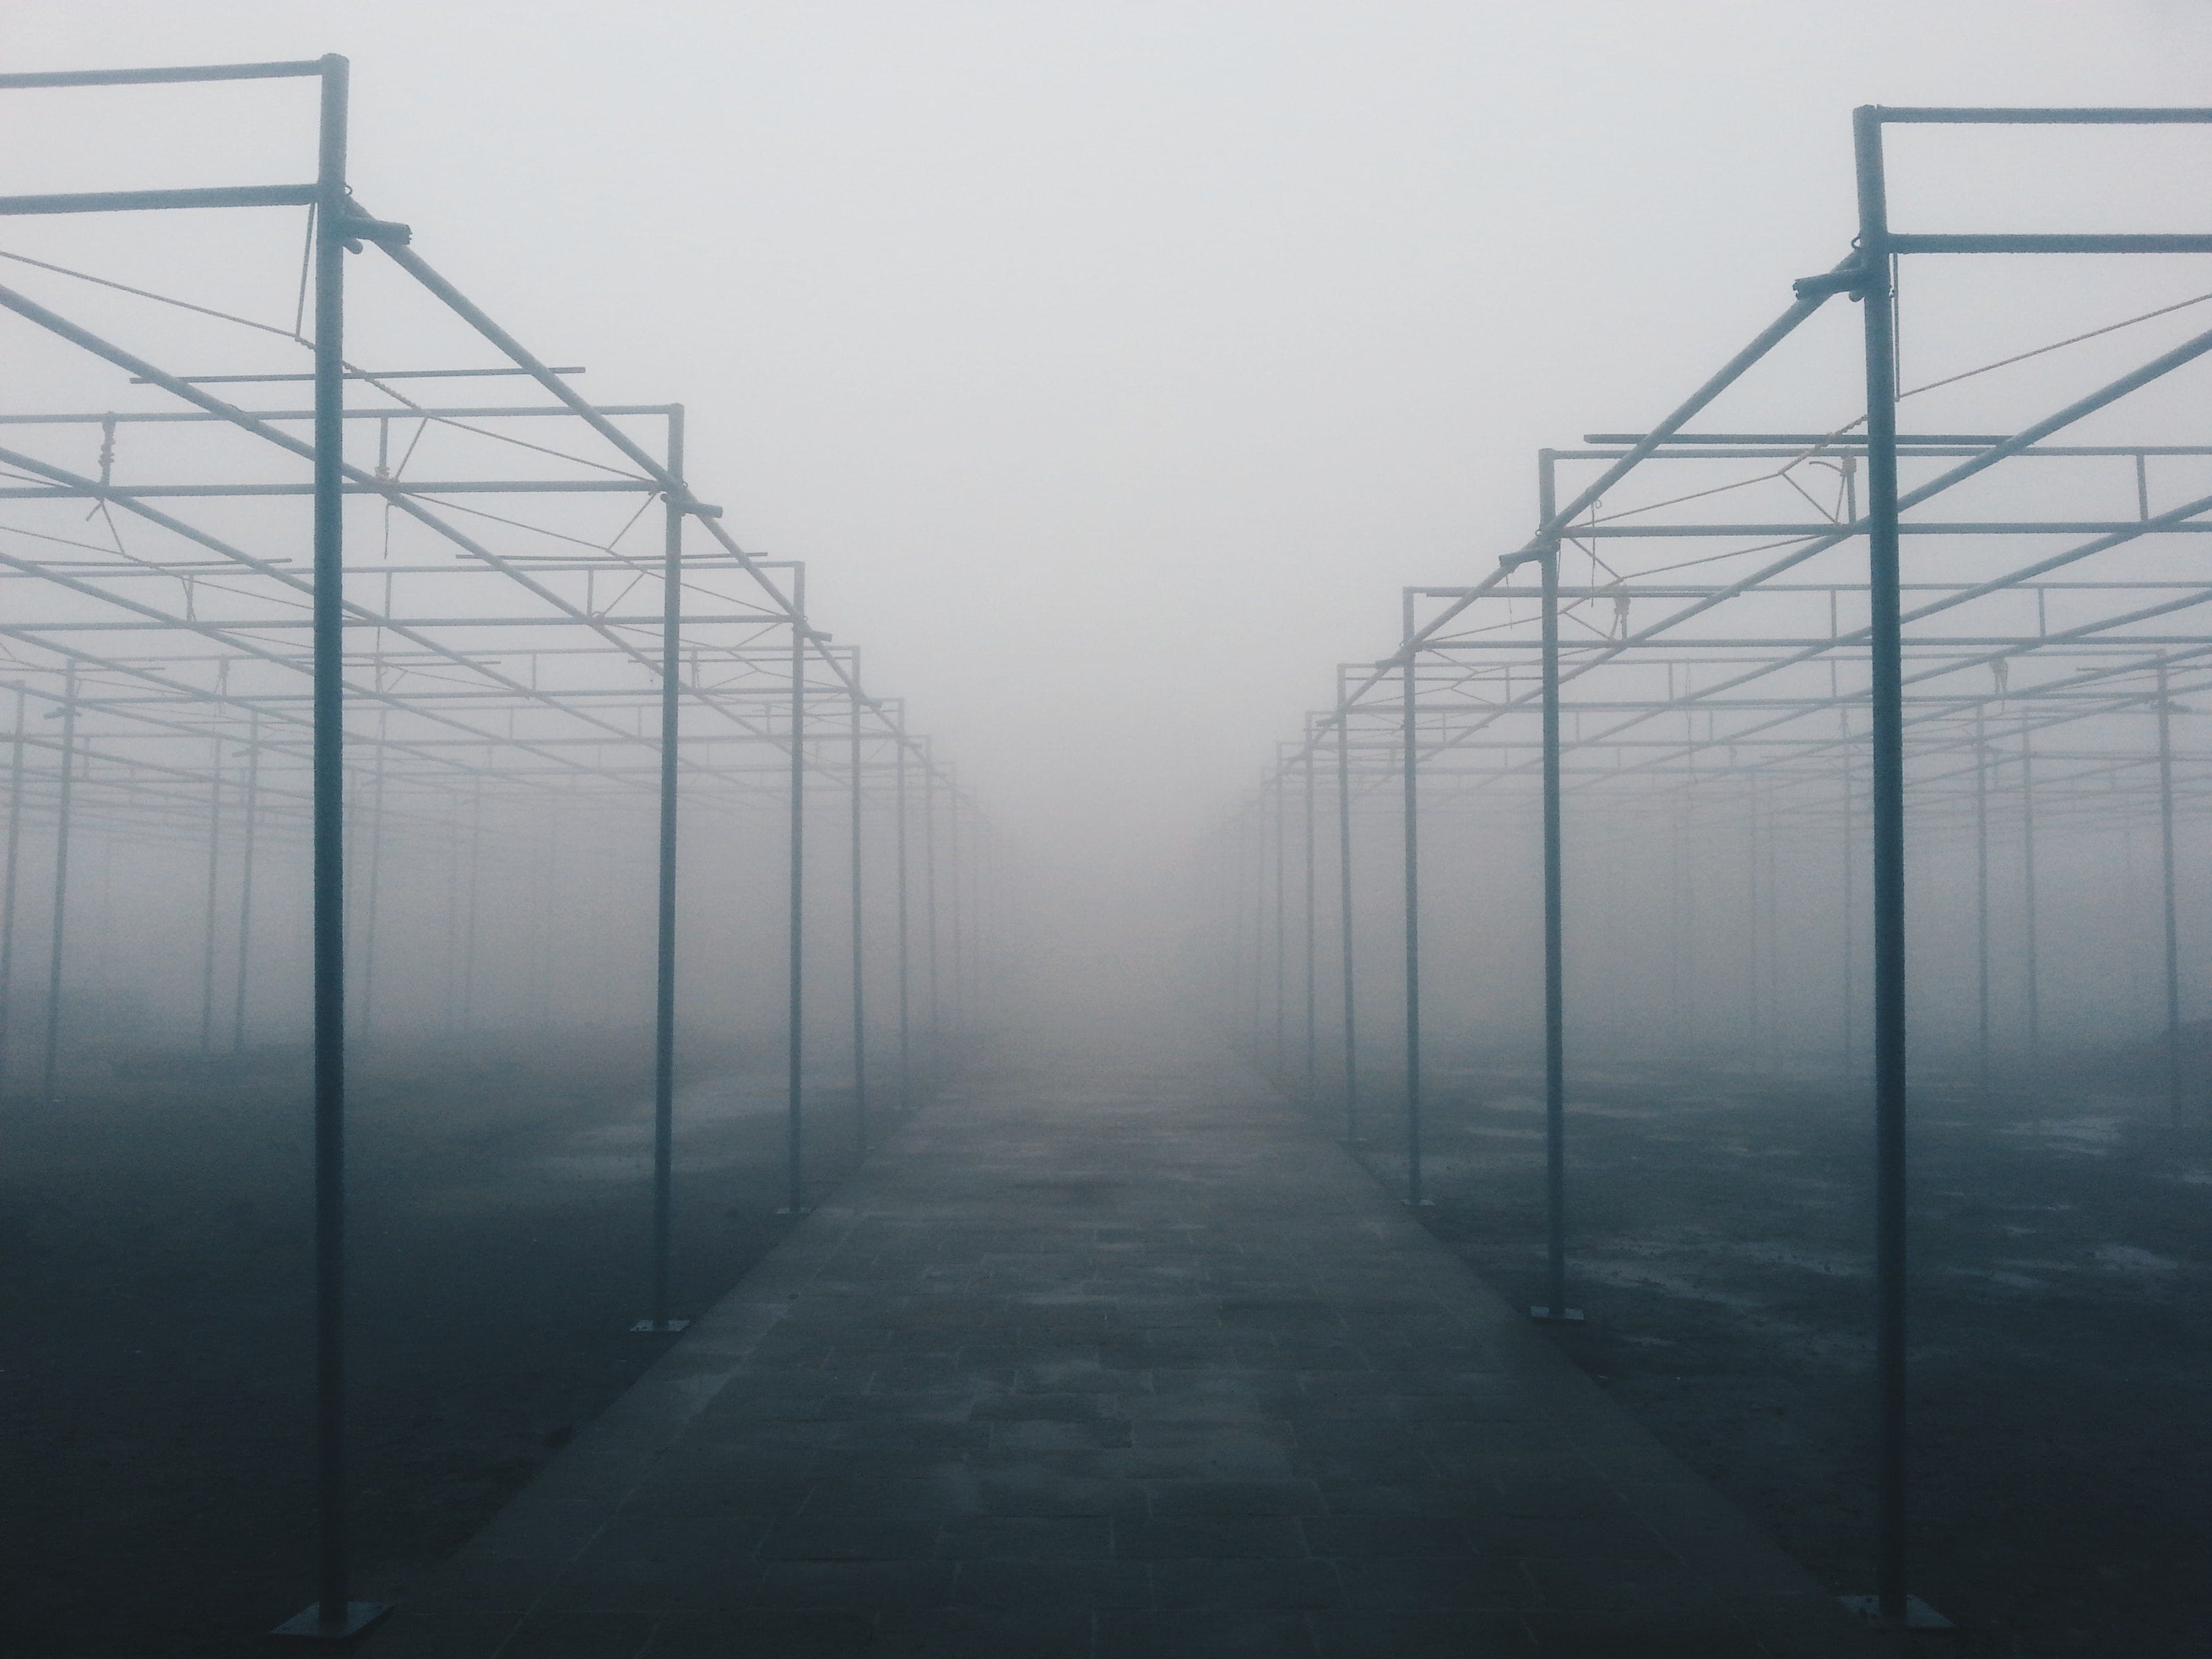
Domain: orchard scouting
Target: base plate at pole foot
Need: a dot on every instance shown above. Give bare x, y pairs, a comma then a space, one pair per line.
359, 1616
1919, 1615
1563, 1317
665, 1327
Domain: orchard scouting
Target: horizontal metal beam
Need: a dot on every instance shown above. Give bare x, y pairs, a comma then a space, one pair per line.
1909, 527
140, 201
378, 487
2039, 242
296, 69
2040, 116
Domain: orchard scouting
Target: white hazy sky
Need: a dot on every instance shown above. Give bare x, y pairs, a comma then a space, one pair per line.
1113, 365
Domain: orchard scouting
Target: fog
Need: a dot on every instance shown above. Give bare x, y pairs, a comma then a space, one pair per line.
1097, 452
1143, 350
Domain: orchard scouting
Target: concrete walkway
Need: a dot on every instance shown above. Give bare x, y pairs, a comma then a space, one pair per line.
1114, 1356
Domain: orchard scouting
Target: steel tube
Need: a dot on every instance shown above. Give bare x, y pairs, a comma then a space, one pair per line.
127, 201
1313, 1026
1981, 905
1282, 912
1344, 926
794, 1030
333, 1611
929, 904
2167, 893
1888, 744
213, 885
1555, 994
905, 990
7, 891
664, 991
1410, 788
48, 1085
294, 68
860, 956
2028, 899
250, 811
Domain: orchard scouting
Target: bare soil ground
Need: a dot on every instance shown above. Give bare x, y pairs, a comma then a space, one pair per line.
155, 1316
2061, 1319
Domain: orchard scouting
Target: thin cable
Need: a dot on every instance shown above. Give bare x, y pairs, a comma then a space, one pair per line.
147, 293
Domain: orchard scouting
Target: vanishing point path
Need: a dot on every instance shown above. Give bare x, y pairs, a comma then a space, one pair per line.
1113, 1355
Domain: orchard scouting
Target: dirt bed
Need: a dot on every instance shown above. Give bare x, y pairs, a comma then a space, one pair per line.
156, 1316
1721, 1225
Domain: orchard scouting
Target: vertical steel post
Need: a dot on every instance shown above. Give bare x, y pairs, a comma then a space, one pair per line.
1555, 983
953, 876
2172, 931
476, 881
47, 1084
334, 1615
451, 956
1233, 1006
1754, 1006
1344, 915
664, 990
1981, 904
860, 956
1313, 1024
1280, 785
214, 889
1257, 819
794, 1028
1411, 783
1850, 916
1886, 665
249, 813
929, 902
8, 894
905, 991
2028, 896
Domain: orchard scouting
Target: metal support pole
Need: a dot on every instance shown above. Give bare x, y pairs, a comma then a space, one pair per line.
8, 894
794, 1027
1885, 639
1755, 1006
2028, 896
214, 888
476, 881
664, 992
1555, 983
1407, 670
929, 902
1344, 918
1851, 919
250, 811
860, 958
952, 893
905, 981
1981, 905
47, 1085
1259, 832
333, 1617
1282, 914
2172, 931
449, 958
1313, 1025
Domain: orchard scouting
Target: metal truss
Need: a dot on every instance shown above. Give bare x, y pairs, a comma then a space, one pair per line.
229, 605
1723, 617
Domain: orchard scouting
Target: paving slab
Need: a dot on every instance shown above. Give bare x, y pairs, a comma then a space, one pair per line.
1111, 1353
